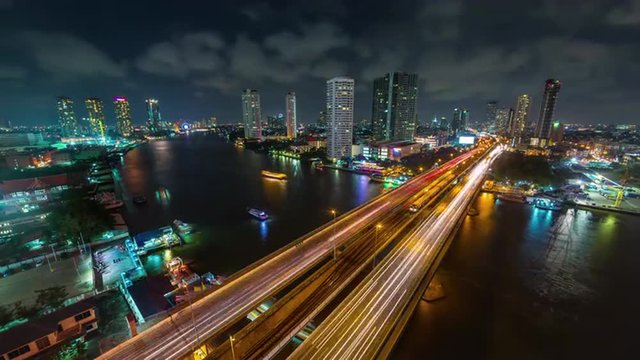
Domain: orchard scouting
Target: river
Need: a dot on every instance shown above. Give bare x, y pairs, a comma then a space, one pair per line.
521, 283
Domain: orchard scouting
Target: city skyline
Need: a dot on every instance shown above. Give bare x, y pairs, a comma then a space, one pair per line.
197, 69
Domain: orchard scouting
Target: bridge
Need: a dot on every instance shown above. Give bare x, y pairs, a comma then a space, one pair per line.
354, 240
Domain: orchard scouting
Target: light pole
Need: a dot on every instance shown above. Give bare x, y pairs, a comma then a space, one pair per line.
375, 244
233, 351
335, 253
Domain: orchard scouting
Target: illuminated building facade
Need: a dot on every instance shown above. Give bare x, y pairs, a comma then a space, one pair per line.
459, 121
154, 119
292, 125
67, 117
522, 114
339, 117
251, 114
393, 114
490, 114
95, 110
557, 133
504, 121
124, 124
547, 108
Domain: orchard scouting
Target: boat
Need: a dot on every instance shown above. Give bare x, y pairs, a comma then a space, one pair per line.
273, 175
258, 214
546, 204
182, 227
318, 165
139, 200
513, 197
377, 178
113, 205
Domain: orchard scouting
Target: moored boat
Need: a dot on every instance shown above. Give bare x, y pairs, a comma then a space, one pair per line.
513, 197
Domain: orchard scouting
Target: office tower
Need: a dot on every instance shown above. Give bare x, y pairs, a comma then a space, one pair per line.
434, 124
490, 115
460, 120
66, 117
393, 114
547, 108
290, 106
322, 119
153, 114
521, 116
213, 121
95, 111
340, 117
557, 133
251, 114
124, 124
504, 121
444, 124
464, 120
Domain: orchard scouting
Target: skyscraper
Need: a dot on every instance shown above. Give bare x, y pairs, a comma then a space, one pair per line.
95, 111
490, 115
459, 121
340, 117
504, 121
292, 125
521, 116
557, 133
322, 119
66, 117
153, 114
251, 114
547, 108
124, 124
393, 114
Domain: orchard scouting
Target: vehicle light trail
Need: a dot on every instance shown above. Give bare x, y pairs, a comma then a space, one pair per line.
359, 326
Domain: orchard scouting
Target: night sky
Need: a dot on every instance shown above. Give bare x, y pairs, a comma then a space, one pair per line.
197, 56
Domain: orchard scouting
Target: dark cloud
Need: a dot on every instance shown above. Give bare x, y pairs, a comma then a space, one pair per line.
68, 56
197, 59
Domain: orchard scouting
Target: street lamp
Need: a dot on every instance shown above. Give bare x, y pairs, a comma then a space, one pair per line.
375, 244
335, 253
233, 351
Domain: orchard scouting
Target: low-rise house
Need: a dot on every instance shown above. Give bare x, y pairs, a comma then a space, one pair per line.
38, 335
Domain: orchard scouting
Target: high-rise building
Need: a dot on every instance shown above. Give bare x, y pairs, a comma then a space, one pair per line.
557, 133
547, 108
292, 125
95, 111
124, 124
154, 119
521, 116
322, 119
460, 120
340, 117
444, 124
212, 121
251, 114
504, 121
490, 115
67, 117
393, 114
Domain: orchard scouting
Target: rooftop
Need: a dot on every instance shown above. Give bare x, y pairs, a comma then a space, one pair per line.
37, 328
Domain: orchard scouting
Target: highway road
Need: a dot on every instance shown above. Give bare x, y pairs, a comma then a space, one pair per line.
360, 325
177, 335
274, 329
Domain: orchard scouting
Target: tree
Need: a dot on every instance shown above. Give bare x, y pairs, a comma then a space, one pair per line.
51, 298
79, 215
6, 315
77, 349
23, 312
